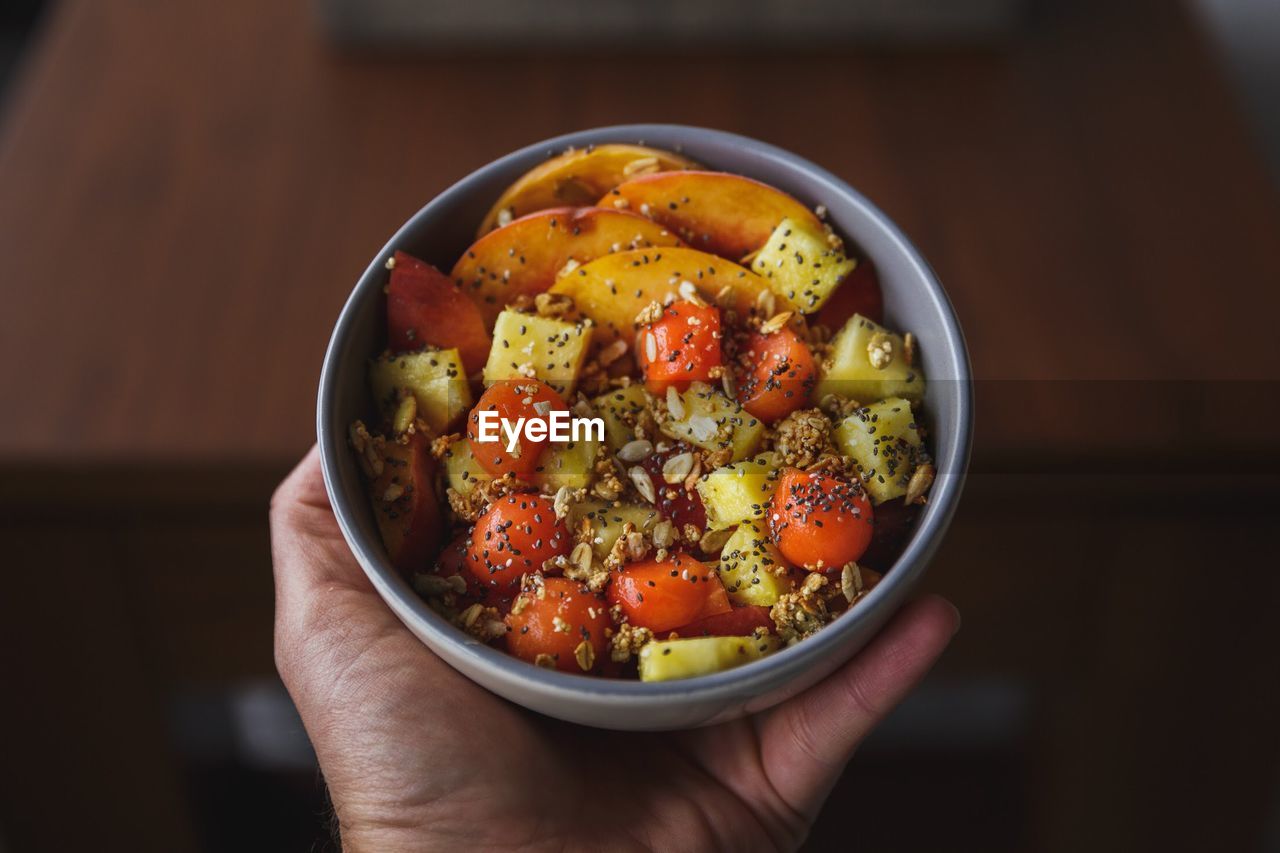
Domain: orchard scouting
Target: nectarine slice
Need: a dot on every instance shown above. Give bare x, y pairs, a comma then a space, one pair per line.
613, 289
403, 493
425, 307
727, 215
524, 257
859, 293
577, 178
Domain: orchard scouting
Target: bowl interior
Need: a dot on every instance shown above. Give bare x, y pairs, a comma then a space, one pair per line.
443, 229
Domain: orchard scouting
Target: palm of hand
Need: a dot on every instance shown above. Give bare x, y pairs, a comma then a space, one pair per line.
415, 755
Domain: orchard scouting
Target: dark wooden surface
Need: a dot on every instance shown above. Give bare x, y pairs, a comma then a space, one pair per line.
188, 191
191, 190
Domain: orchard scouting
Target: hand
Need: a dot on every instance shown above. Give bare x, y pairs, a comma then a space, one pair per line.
418, 757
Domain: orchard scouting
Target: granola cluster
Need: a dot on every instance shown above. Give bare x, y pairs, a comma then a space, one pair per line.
798, 614
802, 438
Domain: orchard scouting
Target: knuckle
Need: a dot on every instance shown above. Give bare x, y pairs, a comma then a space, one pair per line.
281, 501
855, 692
807, 734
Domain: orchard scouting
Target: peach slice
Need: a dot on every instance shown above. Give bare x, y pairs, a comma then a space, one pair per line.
728, 215
859, 293
403, 491
525, 256
613, 289
424, 307
577, 178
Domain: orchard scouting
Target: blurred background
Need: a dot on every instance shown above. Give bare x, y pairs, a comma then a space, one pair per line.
189, 190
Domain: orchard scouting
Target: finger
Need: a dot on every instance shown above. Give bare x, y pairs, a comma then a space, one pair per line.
806, 742
313, 566
306, 543
327, 612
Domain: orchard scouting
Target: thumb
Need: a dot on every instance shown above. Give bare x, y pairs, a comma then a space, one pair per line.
307, 548
806, 742
321, 591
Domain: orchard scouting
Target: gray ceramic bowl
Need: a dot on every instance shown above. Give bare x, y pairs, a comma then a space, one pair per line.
914, 300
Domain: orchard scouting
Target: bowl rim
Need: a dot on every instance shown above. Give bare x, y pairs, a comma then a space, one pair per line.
553, 685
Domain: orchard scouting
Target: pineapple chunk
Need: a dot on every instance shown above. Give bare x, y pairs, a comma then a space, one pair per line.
748, 564
566, 463
853, 374
708, 419
739, 492
552, 349
883, 439
462, 472
618, 409
801, 266
668, 660
608, 519
436, 380
563, 463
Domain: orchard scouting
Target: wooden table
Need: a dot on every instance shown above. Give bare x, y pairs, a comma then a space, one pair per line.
188, 192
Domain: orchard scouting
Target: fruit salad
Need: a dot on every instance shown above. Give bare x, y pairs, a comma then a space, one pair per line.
750, 458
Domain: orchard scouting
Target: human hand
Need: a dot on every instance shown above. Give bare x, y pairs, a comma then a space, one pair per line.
418, 757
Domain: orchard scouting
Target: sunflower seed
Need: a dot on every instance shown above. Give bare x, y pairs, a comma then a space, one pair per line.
851, 581
433, 585
663, 534
921, 480
643, 483
766, 303
640, 166
636, 451
703, 428
730, 387
675, 469
585, 655
471, 614
564, 497
674, 404
581, 557
776, 322
650, 347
